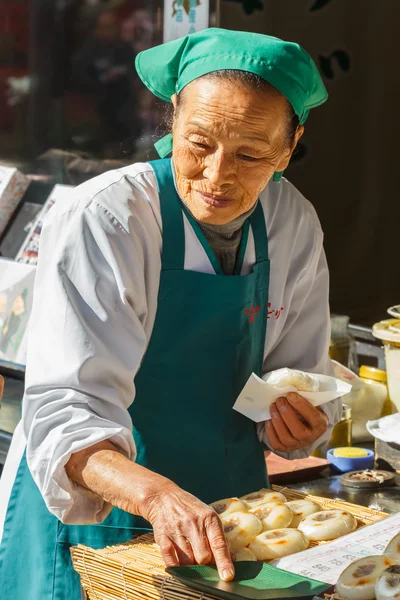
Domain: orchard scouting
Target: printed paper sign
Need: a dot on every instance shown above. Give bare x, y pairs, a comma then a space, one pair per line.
327, 561
182, 17
16, 292
13, 185
29, 251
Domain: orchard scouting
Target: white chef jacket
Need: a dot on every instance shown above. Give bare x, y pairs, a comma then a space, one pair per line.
94, 308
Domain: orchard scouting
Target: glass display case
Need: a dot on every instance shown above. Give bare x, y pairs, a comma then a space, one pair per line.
67, 78
68, 82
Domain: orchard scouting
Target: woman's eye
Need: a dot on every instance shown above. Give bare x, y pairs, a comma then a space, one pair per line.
200, 145
246, 157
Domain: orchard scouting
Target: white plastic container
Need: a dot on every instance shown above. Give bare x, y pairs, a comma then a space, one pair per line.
389, 332
365, 400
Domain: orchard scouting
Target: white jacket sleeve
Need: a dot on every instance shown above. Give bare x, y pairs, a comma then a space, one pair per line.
89, 330
304, 342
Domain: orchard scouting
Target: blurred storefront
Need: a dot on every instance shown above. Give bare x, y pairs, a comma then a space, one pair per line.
67, 77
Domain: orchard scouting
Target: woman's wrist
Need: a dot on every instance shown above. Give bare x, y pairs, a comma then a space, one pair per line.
154, 488
103, 469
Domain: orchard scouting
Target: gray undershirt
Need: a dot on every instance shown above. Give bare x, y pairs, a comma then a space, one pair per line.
223, 239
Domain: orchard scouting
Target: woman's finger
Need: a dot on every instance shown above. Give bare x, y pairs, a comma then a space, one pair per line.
184, 551
201, 549
219, 548
313, 416
273, 440
298, 430
283, 433
167, 549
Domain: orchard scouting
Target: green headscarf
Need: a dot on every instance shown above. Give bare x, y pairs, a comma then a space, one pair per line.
167, 69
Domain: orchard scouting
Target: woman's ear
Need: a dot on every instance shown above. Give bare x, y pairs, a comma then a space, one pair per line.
287, 154
174, 102
297, 136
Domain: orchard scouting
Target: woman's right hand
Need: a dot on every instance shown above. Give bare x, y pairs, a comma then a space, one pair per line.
187, 531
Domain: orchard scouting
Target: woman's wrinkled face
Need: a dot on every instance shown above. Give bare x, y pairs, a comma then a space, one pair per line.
228, 142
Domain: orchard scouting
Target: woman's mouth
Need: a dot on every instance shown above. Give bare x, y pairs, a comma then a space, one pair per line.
215, 201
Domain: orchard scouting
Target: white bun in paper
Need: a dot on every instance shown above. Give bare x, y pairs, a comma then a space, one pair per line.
303, 382
257, 396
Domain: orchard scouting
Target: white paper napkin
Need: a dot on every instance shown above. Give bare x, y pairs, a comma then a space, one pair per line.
386, 429
257, 396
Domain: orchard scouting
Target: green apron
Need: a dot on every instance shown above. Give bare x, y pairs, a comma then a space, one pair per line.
207, 339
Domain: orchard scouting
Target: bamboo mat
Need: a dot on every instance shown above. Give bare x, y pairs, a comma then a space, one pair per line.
135, 570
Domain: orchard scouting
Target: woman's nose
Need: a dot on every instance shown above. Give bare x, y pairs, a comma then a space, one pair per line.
220, 169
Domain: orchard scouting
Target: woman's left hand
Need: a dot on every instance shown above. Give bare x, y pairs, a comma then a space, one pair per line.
294, 424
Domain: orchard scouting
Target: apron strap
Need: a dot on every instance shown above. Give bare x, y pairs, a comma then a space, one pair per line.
173, 233
257, 221
242, 247
203, 241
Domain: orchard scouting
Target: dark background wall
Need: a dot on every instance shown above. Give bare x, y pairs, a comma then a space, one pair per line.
349, 164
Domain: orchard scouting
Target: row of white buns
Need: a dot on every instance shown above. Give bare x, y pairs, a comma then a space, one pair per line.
263, 525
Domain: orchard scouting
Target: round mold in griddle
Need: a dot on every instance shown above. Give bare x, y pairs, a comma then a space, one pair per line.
368, 479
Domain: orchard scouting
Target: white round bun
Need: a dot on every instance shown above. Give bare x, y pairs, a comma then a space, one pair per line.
277, 543
290, 377
393, 546
327, 525
274, 515
244, 554
387, 586
263, 496
228, 506
357, 582
241, 528
302, 509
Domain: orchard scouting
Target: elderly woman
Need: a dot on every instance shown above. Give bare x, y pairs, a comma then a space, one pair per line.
160, 288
